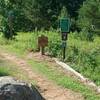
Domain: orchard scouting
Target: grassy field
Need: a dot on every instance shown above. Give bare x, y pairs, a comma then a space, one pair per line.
83, 56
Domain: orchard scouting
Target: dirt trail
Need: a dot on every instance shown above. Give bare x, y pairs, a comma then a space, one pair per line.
48, 89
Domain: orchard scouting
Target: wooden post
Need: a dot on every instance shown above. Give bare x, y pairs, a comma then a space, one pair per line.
64, 53
42, 50
64, 49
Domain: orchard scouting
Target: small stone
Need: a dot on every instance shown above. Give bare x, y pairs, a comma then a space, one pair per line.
98, 90
92, 84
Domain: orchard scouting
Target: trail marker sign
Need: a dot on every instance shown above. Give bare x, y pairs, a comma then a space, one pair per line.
65, 25
65, 29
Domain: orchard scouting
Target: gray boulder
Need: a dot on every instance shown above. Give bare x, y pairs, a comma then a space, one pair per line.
11, 89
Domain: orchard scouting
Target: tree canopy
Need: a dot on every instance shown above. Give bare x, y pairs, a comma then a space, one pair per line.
89, 16
31, 14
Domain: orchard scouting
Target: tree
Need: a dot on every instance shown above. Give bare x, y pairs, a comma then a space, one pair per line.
30, 14
64, 12
6, 19
46, 12
20, 21
89, 17
41, 12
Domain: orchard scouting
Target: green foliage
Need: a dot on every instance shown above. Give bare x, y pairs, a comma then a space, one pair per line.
46, 12
8, 32
63, 13
6, 19
86, 35
54, 48
30, 14
89, 17
20, 21
84, 57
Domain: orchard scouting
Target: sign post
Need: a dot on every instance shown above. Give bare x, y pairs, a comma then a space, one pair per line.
65, 29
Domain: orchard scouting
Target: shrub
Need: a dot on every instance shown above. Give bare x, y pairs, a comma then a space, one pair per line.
54, 48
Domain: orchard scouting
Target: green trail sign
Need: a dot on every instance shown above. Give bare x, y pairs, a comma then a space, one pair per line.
65, 24
65, 29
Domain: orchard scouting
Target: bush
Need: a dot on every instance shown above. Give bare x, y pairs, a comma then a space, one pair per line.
54, 48
86, 35
84, 57
89, 16
8, 33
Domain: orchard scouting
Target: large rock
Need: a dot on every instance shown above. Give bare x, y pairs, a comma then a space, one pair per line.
11, 89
